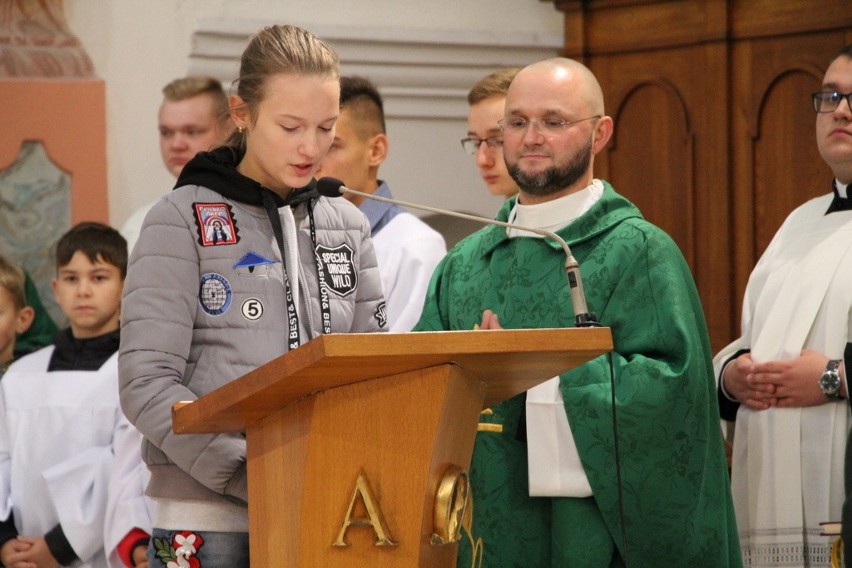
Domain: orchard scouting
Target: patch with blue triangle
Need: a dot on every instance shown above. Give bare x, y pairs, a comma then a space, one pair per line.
253, 264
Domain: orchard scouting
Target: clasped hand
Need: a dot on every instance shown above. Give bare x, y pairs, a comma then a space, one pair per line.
784, 384
489, 321
27, 552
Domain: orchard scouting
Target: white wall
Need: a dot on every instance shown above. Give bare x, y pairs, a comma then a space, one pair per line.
137, 46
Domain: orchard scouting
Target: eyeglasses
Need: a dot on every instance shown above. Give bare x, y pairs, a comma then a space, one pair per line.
518, 125
471, 144
828, 101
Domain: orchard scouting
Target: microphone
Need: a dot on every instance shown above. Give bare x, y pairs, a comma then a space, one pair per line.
332, 187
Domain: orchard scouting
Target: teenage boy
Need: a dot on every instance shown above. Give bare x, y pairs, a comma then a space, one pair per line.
487, 100
407, 249
59, 414
193, 117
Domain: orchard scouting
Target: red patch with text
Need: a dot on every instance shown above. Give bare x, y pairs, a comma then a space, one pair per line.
216, 225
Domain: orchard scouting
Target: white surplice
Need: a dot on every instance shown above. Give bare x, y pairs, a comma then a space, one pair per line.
127, 506
57, 432
787, 464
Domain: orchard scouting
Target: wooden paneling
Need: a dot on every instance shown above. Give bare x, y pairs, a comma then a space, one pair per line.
665, 105
752, 19
652, 25
652, 128
783, 178
776, 165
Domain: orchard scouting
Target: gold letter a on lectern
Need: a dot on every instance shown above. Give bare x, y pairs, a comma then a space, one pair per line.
373, 516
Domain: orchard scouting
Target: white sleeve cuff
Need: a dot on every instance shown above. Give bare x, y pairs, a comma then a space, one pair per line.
722, 382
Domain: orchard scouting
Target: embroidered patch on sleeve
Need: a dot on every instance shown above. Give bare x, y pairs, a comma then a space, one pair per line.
216, 225
338, 268
381, 315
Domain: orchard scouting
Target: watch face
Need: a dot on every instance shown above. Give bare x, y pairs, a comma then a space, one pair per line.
829, 382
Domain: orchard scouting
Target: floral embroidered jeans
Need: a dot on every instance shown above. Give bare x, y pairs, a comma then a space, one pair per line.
194, 549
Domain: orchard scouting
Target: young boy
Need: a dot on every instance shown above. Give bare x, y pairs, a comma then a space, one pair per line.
60, 417
15, 315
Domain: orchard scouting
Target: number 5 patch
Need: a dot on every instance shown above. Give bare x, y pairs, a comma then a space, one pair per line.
252, 309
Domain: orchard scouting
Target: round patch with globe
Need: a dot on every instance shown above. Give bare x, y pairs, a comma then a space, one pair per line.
214, 294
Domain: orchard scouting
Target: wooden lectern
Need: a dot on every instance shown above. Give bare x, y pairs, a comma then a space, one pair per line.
358, 444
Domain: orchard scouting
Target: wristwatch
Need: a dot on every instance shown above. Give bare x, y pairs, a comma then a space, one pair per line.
829, 382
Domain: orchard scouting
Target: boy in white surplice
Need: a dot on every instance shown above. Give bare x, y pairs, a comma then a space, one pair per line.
59, 414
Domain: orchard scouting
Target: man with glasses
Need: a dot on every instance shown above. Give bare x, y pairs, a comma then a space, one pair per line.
484, 141
782, 383
554, 483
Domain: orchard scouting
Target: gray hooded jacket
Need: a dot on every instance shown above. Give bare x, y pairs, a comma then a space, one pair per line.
204, 303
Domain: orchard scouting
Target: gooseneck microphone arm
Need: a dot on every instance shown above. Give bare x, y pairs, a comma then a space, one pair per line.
331, 187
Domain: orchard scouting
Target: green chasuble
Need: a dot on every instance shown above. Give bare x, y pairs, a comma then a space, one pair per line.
677, 507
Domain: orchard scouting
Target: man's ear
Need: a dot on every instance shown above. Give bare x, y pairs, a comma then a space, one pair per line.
378, 150
25, 320
602, 134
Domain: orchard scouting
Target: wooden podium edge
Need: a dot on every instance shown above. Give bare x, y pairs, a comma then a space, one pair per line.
336, 360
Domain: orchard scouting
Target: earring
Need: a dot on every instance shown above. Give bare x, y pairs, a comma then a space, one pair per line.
240, 129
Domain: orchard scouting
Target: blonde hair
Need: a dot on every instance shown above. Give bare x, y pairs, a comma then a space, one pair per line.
279, 49
195, 85
12, 280
494, 84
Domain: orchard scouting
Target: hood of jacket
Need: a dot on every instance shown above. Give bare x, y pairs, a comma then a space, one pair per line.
217, 170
